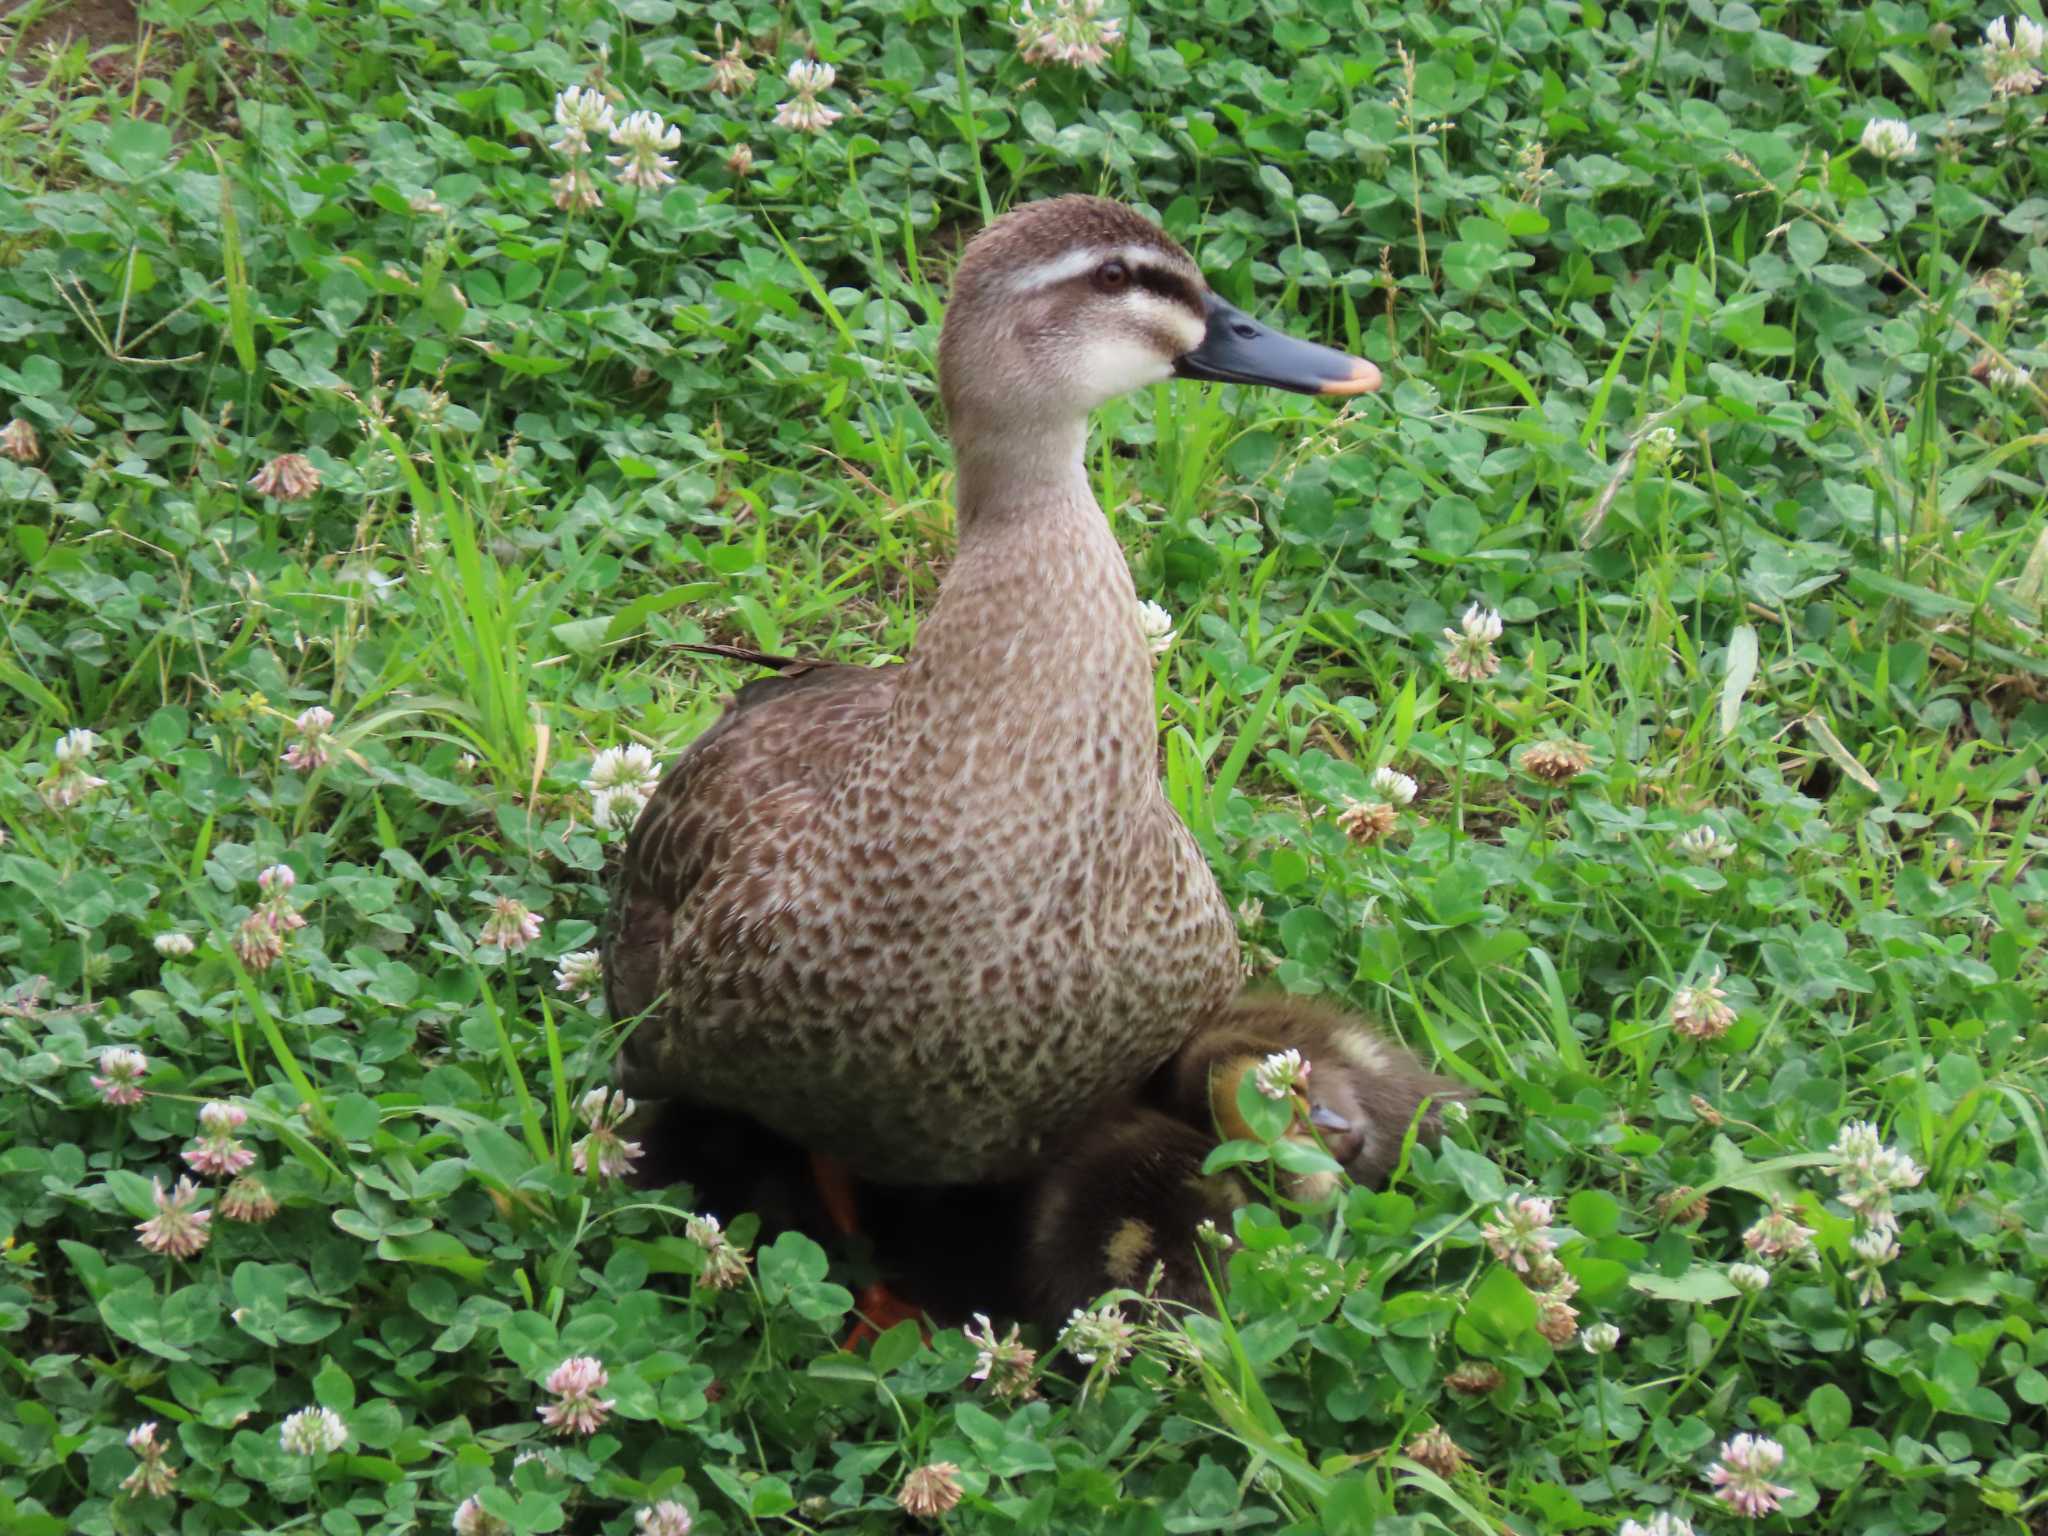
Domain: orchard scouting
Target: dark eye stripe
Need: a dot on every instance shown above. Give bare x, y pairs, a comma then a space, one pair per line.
1172, 286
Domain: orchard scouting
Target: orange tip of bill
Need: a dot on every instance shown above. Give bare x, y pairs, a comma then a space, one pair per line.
1364, 379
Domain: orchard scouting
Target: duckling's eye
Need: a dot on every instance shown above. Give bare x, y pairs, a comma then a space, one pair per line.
1112, 277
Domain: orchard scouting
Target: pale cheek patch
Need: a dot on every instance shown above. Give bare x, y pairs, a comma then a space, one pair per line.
1176, 328
1113, 364
1190, 331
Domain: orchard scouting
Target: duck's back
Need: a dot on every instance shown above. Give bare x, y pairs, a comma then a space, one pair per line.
778, 746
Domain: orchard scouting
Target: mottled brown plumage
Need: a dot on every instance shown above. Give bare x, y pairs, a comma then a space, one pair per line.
923, 918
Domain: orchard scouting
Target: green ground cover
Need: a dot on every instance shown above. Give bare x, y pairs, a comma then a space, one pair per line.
1710, 384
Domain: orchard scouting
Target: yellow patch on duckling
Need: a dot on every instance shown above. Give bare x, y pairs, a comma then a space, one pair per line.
1129, 1246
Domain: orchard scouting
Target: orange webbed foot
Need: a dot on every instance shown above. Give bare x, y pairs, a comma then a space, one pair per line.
878, 1309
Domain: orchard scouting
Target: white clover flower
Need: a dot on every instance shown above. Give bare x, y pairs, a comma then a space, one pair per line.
75, 748
1858, 1141
1104, 1334
575, 191
929, 1491
1555, 762
579, 975
1864, 1162
511, 925
310, 750
2028, 38
1662, 1523
1999, 371
1556, 1318
119, 1080
1481, 624
173, 945
577, 1410
803, 112
1367, 822
1657, 447
604, 1110
730, 72
1749, 1278
1874, 1248
1869, 1172
288, 477
1435, 1449
180, 1227
1703, 844
18, 441
216, 1152
153, 1477
704, 1231
313, 1432
1005, 1364
1393, 786
582, 114
1778, 1234
1700, 1011
1469, 654
1281, 1075
1070, 32
68, 782
620, 782
1741, 1478
1889, 138
667, 1518
1520, 1234
604, 1106
808, 77
2010, 54
1156, 624
643, 136
218, 1117
1600, 1339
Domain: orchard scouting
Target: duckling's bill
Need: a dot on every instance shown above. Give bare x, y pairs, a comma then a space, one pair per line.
1240, 350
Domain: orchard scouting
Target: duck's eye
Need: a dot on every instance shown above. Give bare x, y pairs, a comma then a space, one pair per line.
1112, 277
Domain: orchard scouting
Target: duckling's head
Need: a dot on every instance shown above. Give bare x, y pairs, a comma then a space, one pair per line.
1060, 305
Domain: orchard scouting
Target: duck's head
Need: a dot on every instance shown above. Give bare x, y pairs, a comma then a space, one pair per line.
1060, 305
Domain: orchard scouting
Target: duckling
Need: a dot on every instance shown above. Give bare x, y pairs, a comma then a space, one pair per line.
922, 920
1122, 1195
1129, 1193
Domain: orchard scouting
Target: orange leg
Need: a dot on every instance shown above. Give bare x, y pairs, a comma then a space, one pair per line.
878, 1308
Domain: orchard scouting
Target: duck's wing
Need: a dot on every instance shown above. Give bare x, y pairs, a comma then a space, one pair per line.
792, 729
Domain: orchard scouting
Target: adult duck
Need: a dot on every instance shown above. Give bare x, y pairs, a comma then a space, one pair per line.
923, 919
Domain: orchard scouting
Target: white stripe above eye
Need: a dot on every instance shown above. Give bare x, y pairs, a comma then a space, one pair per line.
1070, 265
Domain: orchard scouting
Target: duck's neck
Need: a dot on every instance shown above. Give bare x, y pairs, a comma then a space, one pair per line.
1030, 676
1020, 475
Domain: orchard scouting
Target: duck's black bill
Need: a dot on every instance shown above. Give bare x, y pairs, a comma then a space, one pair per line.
1239, 350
